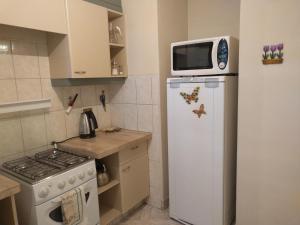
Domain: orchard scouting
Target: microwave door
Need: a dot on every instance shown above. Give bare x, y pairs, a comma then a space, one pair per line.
196, 56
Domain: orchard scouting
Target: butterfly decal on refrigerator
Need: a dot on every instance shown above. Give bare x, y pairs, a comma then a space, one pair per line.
189, 98
199, 112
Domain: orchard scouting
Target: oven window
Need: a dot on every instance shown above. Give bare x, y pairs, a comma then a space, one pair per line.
193, 56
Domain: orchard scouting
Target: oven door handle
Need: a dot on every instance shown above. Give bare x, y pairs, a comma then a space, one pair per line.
57, 201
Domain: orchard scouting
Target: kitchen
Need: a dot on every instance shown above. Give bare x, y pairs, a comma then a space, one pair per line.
37, 86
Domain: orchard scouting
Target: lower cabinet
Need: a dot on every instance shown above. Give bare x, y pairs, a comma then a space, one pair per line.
134, 177
129, 184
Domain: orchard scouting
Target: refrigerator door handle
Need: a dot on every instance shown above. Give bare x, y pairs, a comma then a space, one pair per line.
212, 82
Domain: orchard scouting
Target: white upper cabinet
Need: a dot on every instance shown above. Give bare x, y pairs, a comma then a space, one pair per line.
84, 52
45, 15
88, 35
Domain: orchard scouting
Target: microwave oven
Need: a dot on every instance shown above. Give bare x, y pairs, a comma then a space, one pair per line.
211, 56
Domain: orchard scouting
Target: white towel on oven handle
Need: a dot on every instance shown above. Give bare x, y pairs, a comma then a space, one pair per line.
82, 207
85, 219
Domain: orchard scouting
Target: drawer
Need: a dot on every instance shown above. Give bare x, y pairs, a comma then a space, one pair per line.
132, 152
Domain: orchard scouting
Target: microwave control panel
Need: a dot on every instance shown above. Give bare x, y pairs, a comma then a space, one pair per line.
222, 54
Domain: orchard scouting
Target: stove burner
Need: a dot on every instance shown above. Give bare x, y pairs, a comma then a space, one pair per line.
59, 158
43, 164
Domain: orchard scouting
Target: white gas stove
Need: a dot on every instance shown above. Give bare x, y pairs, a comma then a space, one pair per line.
44, 178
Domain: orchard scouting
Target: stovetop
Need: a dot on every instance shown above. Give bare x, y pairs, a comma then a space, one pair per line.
33, 169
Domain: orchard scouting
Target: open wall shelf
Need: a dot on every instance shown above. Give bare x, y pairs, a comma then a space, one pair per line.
25, 106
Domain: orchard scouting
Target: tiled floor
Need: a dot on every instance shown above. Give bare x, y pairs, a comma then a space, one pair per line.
148, 215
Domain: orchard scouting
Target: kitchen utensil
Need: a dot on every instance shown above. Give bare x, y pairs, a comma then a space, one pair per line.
103, 100
102, 176
88, 124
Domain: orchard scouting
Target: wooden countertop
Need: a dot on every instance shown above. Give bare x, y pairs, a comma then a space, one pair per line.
105, 144
8, 187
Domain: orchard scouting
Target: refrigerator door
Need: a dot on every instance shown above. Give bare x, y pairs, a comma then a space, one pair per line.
195, 148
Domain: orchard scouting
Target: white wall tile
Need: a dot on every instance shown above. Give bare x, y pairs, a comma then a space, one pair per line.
11, 141
88, 95
29, 89
155, 147
25, 59
71, 91
144, 89
11, 156
116, 92
6, 63
117, 118
34, 131
54, 93
99, 89
104, 117
155, 198
95, 110
129, 91
155, 169
156, 89
130, 116
56, 126
44, 67
72, 123
8, 91
145, 118
33, 151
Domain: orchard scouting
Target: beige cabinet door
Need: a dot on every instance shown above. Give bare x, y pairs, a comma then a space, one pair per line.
46, 15
88, 35
134, 177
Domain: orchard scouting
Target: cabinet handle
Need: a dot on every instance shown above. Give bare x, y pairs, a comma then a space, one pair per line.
135, 147
126, 169
80, 72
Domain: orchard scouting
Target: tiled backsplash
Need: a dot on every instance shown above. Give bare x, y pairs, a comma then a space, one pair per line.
25, 75
135, 105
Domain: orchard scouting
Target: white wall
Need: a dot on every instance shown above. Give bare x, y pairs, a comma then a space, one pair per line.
210, 18
140, 103
268, 185
142, 36
172, 27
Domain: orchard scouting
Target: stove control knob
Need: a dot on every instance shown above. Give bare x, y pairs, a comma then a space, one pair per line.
81, 176
72, 180
91, 172
43, 192
61, 185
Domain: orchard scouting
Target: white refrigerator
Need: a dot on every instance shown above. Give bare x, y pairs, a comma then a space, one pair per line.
202, 127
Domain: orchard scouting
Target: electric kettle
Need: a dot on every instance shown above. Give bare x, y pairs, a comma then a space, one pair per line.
88, 124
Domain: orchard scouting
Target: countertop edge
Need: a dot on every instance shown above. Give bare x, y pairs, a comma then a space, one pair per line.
87, 151
11, 190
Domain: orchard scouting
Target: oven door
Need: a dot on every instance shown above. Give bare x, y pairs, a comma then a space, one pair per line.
191, 58
49, 213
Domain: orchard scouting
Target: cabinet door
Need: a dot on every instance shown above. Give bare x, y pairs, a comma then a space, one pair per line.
89, 41
35, 14
134, 182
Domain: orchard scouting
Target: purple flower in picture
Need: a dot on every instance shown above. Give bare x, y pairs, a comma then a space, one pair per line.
273, 48
266, 48
280, 47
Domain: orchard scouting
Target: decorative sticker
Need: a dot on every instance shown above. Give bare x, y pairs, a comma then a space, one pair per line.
272, 54
200, 111
193, 97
